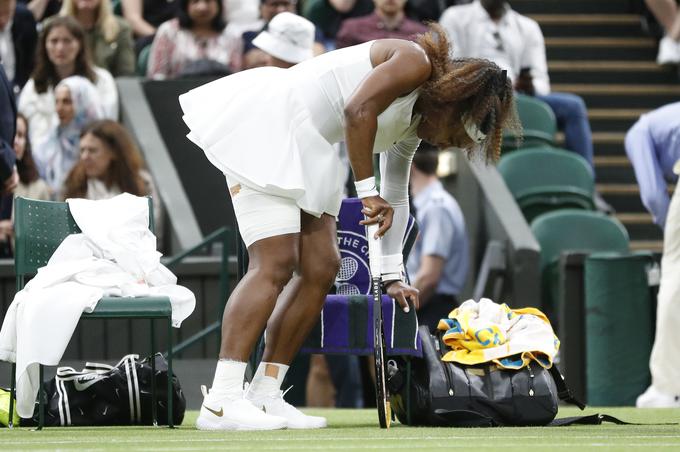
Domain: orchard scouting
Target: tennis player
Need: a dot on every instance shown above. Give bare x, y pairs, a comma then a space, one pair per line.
271, 132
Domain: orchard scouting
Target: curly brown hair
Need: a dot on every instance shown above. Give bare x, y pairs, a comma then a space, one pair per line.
45, 74
124, 170
479, 85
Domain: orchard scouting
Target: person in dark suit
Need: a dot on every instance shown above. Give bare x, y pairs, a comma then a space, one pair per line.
8, 120
21, 40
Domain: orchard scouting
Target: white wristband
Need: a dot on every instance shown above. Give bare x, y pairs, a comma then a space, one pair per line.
366, 187
392, 267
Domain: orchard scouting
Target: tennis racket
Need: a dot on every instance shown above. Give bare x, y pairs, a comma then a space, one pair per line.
381, 395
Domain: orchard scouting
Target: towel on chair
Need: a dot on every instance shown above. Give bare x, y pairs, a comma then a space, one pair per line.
115, 255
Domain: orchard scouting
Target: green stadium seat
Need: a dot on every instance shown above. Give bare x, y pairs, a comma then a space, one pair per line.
40, 226
544, 178
571, 230
538, 122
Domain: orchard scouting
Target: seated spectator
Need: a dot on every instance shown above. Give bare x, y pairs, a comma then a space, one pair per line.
145, 16
667, 13
653, 147
31, 185
196, 34
439, 262
8, 173
246, 54
288, 40
77, 104
18, 39
109, 37
110, 164
328, 15
62, 52
387, 21
42, 9
241, 12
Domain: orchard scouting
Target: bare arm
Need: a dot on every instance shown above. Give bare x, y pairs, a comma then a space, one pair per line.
132, 11
38, 7
428, 276
399, 68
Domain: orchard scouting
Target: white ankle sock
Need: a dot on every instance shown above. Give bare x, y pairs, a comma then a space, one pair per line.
228, 377
263, 385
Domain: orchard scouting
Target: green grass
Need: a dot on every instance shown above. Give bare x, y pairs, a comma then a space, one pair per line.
358, 430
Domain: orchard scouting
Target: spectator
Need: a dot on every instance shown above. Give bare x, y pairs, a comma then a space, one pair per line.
42, 9
109, 165
241, 12
61, 53
18, 39
145, 16
664, 363
667, 14
108, 37
653, 147
491, 29
387, 21
8, 114
328, 15
77, 104
288, 40
196, 34
439, 262
246, 54
31, 185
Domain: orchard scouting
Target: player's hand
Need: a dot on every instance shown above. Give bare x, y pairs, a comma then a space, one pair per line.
377, 211
404, 294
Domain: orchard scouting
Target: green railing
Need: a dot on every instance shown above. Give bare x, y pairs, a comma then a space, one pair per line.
222, 235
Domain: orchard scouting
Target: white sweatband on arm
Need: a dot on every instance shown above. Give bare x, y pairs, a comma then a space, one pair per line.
366, 188
392, 266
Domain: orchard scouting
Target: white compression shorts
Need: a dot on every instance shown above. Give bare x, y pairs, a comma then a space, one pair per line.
262, 215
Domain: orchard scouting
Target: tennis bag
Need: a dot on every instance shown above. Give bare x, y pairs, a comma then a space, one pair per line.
440, 393
101, 394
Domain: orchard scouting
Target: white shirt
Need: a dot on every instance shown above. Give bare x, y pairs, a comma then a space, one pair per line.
7, 56
513, 43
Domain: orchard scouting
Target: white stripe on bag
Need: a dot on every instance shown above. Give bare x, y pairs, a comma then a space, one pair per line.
136, 384
129, 383
67, 406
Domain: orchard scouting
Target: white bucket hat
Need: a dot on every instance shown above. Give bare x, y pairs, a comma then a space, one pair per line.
288, 37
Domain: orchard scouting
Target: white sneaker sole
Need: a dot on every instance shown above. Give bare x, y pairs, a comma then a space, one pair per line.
203, 423
307, 427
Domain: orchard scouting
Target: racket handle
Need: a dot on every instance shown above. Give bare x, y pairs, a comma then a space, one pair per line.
374, 250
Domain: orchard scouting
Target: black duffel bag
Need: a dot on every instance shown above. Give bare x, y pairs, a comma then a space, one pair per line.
101, 394
439, 393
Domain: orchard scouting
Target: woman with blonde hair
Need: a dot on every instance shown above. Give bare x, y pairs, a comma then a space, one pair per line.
108, 36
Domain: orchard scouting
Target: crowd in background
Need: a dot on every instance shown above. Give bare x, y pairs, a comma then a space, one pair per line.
60, 58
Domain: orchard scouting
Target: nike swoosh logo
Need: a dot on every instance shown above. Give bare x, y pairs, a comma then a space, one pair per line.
216, 413
83, 386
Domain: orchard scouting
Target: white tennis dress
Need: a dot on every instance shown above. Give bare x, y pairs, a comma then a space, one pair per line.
274, 129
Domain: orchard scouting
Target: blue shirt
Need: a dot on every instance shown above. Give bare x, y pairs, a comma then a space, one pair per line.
443, 234
653, 147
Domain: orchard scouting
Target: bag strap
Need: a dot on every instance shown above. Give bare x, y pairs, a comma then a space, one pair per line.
596, 419
563, 391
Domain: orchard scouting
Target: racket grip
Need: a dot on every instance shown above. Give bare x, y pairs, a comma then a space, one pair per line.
374, 251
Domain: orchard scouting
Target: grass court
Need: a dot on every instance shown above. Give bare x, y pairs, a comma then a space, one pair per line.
357, 430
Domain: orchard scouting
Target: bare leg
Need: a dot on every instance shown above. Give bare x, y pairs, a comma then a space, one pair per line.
272, 262
664, 11
297, 310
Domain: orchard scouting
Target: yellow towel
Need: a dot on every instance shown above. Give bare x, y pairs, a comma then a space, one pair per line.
484, 331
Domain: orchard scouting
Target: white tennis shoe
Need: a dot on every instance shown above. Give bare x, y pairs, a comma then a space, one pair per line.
653, 398
234, 413
277, 406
